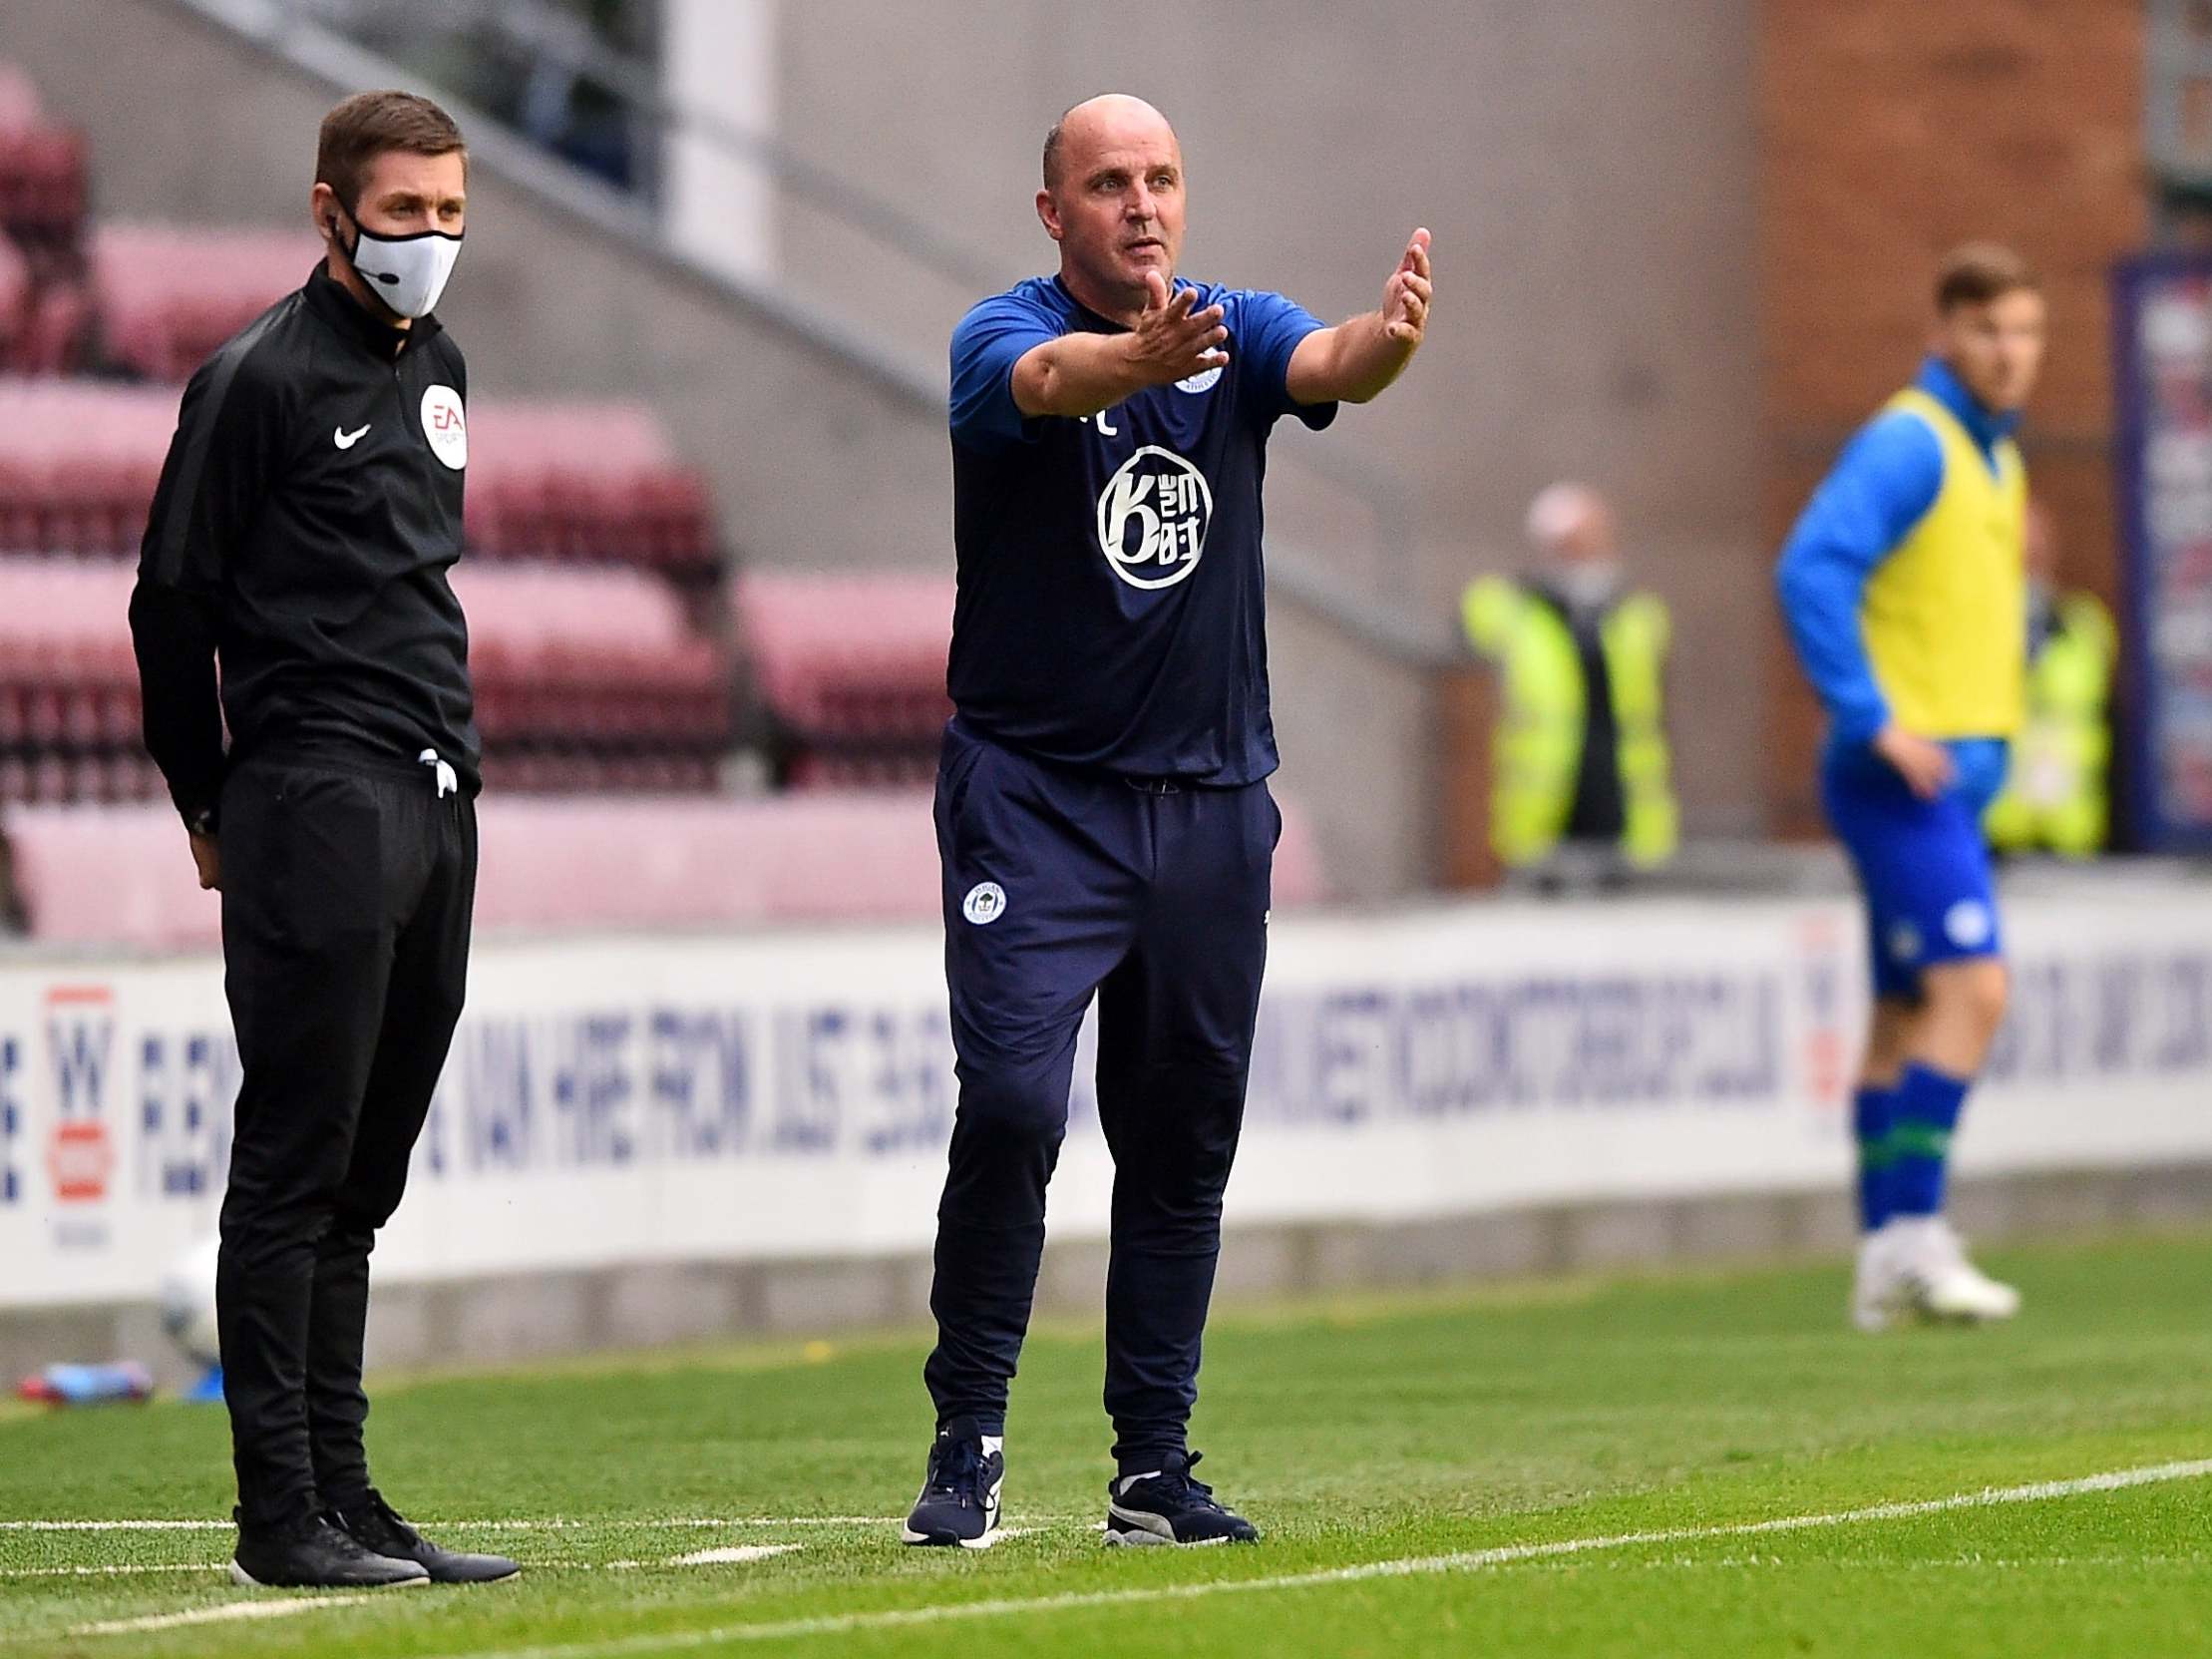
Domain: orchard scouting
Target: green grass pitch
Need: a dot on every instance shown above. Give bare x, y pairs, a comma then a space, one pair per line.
1557, 1469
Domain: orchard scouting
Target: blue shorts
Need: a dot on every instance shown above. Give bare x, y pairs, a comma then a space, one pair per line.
1924, 866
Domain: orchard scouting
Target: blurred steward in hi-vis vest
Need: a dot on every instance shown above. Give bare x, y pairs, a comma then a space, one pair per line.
2055, 797
1582, 769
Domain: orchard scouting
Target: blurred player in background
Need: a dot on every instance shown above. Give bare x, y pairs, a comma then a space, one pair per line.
1905, 594
306, 517
1580, 790
1102, 807
2058, 795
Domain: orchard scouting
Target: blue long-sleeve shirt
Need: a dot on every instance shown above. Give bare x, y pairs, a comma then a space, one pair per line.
1883, 483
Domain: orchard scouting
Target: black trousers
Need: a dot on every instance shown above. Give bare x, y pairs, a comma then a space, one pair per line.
1059, 885
346, 895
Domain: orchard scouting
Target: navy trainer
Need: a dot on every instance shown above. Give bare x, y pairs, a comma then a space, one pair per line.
959, 1503
1168, 1508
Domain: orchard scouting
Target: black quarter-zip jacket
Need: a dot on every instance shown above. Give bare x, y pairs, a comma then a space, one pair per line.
308, 515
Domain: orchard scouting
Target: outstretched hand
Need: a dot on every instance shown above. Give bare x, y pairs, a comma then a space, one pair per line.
1173, 341
1406, 296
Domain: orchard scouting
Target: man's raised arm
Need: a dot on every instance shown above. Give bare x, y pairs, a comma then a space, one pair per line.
1356, 360
1079, 374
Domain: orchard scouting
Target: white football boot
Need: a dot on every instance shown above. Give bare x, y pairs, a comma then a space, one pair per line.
1878, 1295
1918, 1265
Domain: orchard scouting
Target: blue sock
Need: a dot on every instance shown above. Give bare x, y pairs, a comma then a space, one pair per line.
1928, 1105
1873, 1116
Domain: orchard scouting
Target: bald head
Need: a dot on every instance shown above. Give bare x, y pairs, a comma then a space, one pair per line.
1113, 201
1104, 120
1571, 523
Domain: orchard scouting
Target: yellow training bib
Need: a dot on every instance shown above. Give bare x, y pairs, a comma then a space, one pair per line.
1945, 616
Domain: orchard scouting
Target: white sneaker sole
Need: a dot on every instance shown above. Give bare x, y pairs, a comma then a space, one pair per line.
1982, 1315
246, 1581
1142, 1530
1874, 1317
908, 1534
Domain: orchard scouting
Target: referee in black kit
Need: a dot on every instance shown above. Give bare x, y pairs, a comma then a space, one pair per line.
307, 514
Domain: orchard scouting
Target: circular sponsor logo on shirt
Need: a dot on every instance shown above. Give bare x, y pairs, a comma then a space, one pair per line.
1202, 381
445, 426
985, 903
1967, 924
1152, 517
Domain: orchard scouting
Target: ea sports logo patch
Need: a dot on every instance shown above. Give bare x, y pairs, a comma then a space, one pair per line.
1967, 924
1152, 517
445, 426
985, 903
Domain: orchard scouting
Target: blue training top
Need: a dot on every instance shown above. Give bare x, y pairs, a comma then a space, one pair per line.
1111, 612
1883, 483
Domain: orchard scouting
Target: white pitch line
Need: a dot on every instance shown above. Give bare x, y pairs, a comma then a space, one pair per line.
1404, 1568
555, 1525
221, 1614
732, 1556
118, 1528
103, 1572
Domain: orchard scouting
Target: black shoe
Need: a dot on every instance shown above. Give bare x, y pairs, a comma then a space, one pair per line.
375, 1524
1168, 1507
313, 1554
960, 1494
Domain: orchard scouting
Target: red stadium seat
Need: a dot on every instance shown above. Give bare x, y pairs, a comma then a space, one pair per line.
18, 307
42, 170
78, 463
168, 295
597, 665
851, 670
78, 460
583, 481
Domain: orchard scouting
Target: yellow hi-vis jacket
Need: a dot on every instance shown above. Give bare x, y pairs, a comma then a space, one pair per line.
1542, 721
2055, 795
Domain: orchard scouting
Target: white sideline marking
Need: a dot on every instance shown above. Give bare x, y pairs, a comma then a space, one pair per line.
222, 1615
102, 1572
711, 1558
610, 1524
1405, 1568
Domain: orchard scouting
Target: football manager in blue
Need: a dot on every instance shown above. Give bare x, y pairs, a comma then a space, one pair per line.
1102, 807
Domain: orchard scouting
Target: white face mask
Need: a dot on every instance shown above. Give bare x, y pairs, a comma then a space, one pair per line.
1586, 584
408, 274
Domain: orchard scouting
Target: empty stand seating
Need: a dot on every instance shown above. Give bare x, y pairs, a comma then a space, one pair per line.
68, 696
79, 460
583, 481
166, 295
593, 661
588, 678
850, 670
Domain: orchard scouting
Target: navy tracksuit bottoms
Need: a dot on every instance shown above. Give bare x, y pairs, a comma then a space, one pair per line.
1151, 895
